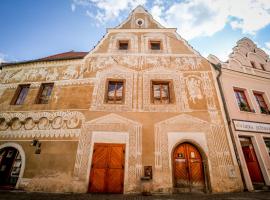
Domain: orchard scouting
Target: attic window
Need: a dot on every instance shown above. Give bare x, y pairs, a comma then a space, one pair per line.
123, 45
139, 22
155, 45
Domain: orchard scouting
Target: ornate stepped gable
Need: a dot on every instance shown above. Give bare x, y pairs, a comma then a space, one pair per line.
246, 52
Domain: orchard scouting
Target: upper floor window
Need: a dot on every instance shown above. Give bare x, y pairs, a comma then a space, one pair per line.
262, 66
44, 93
161, 92
115, 91
253, 64
20, 94
155, 45
242, 100
123, 45
261, 102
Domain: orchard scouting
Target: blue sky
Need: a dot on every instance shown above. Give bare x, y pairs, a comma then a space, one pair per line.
32, 29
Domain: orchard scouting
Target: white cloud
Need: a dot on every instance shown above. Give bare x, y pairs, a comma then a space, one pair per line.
266, 48
73, 7
267, 44
2, 57
193, 18
107, 10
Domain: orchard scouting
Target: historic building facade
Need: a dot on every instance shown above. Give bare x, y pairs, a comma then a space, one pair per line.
245, 84
141, 107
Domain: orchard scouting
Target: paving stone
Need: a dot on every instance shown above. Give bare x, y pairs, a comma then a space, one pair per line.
20, 195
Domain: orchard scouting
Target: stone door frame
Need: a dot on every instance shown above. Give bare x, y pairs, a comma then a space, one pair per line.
23, 158
108, 124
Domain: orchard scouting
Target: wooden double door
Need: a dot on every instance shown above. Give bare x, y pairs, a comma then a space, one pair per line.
107, 169
252, 161
188, 168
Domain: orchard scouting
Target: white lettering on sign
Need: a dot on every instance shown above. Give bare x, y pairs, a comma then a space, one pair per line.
251, 126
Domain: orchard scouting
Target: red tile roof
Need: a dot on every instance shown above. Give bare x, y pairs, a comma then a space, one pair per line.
65, 56
61, 56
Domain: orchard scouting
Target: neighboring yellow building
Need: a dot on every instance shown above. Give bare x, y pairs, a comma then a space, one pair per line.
139, 112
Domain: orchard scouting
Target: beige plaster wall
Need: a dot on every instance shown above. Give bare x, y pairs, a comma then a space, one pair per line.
78, 97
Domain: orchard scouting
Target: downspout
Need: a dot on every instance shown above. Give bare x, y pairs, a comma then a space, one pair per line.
217, 67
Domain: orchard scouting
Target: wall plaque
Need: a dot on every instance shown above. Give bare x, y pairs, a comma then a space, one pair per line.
249, 126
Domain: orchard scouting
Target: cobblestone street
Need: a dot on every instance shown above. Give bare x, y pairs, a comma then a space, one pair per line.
16, 195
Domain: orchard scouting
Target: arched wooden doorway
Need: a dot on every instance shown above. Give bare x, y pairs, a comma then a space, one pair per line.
188, 171
10, 167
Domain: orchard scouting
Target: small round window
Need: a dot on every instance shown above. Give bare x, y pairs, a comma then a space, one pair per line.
139, 22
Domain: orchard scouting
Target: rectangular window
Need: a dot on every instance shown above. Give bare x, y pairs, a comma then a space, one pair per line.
267, 143
44, 93
253, 64
115, 92
155, 45
20, 94
242, 100
123, 45
261, 102
262, 66
161, 92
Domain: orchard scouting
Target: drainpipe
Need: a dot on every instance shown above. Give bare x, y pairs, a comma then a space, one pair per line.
217, 67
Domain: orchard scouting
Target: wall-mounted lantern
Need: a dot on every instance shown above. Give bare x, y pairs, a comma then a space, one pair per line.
36, 143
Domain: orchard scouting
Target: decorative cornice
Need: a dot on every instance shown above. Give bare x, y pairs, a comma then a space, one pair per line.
83, 81
41, 133
41, 124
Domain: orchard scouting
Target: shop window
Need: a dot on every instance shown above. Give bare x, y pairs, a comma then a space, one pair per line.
267, 143
261, 102
44, 93
115, 92
123, 45
20, 94
161, 92
155, 45
242, 100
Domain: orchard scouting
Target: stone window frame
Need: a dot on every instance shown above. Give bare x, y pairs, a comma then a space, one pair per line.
107, 87
150, 42
265, 99
123, 41
178, 98
115, 39
164, 41
171, 97
246, 96
18, 92
114, 73
41, 88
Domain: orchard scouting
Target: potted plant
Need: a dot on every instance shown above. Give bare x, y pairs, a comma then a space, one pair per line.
264, 110
244, 107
